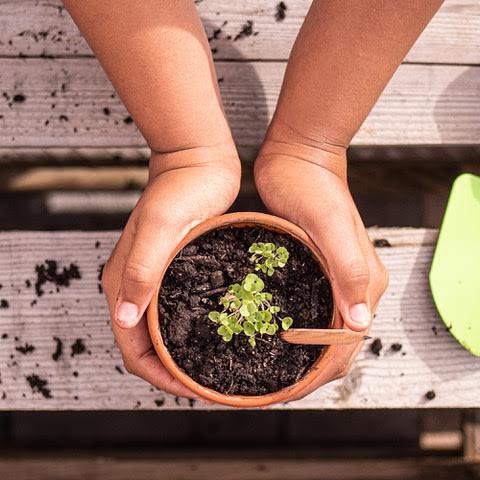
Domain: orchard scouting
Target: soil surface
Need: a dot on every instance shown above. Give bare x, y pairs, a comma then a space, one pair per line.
201, 273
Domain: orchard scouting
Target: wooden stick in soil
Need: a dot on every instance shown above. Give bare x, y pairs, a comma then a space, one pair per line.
319, 336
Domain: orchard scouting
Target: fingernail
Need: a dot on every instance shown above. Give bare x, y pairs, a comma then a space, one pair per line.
360, 315
127, 314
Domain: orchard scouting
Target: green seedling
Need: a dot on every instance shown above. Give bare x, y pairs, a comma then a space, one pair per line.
247, 308
267, 257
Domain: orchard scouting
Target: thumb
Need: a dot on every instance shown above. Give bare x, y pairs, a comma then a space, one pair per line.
339, 242
151, 246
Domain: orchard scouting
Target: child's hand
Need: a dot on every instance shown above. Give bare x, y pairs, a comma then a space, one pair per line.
308, 187
185, 188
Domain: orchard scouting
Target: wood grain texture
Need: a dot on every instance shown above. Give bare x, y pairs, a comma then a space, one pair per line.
430, 359
70, 103
124, 466
43, 27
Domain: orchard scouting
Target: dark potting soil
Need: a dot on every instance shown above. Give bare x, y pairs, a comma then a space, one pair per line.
201, 273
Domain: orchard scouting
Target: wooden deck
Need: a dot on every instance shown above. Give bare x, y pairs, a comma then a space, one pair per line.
58, 107
55, 95
430, 359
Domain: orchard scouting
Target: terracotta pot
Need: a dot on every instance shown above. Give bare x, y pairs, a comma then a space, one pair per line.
334, 360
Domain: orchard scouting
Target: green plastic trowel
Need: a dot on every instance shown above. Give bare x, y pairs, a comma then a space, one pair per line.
455, 270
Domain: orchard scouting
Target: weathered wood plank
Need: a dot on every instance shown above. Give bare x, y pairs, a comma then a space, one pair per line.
70, 103
471, 434
33, 27
430, 358
131, 464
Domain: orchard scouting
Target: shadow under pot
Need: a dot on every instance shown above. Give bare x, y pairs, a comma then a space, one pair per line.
208, 320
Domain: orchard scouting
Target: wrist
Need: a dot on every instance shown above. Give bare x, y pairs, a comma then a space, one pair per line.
221, 155
295, 152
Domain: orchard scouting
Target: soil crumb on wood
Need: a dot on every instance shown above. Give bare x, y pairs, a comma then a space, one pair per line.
58, 349
49, 272
246, 31
381, 243
376, 346
280, 12
78, 347
99, 277
4, 303
430, 395
197, 278
19, 98
39, 385
396, 347
25, 349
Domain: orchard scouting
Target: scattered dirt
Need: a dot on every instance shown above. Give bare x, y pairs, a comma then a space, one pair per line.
25, 349
196, 279
128, 120
39, 385
99, 277
396, 347
78, 347
49, 272
376, 346
430, 395
246, 31
280, 12
119, 369
381, 243
4, 303
58, 349
19, 98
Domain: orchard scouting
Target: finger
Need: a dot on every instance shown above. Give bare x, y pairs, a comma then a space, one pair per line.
378, 272
337, 237
141, 359
135, 344
151, 244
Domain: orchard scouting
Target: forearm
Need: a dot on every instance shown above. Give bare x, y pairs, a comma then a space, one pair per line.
345, 54
157, 57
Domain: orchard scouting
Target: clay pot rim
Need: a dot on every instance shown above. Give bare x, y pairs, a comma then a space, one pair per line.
243, 219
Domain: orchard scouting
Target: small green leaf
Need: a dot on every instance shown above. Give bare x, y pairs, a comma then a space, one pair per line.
222, 330
224, 302
237, 328
244, 310
252, 342
214, 316
271, 330
249, 329
287, 323
253, 283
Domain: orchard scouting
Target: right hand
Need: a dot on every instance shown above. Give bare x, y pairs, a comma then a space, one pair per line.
184, 188
308, 186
